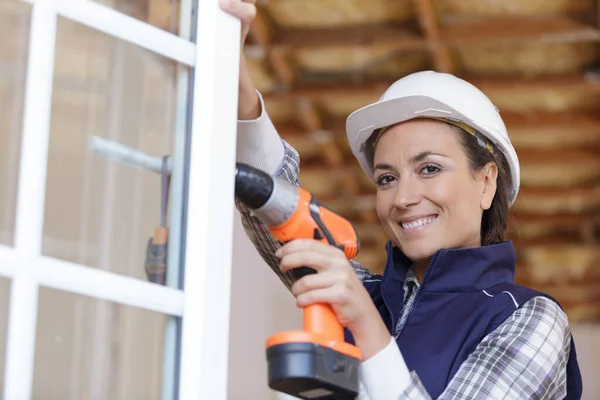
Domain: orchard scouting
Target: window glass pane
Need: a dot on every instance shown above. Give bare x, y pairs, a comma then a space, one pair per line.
92, 349
99, 212
163, 14
4, 299
14, 34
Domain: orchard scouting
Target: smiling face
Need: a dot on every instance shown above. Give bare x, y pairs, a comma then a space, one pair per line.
428, 197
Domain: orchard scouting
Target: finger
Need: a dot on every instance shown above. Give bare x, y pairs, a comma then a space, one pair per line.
246, 11
315, 281
297, 245
328, 295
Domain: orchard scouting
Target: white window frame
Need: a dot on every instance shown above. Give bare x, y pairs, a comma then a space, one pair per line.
201, 306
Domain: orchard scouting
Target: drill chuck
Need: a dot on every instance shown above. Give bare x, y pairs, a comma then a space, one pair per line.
273, 201
253, 187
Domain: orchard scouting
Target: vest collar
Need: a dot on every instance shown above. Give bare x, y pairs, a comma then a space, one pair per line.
458, 270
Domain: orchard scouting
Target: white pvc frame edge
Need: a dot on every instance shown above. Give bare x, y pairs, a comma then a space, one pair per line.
22, 317
124, 27
88, 281
209, 235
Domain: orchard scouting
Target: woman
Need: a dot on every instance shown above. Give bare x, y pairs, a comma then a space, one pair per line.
445, 320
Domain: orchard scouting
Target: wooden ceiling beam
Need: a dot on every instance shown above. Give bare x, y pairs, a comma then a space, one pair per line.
578, 158
503, 84
529, 228
262, 32
513, 120
489, 85
571, 293
591, 191
518, 29
563, 219
407, 37
522, 127
588, 313
400, 36
550, 240
538, 119
430, 25
311, 121
347, 183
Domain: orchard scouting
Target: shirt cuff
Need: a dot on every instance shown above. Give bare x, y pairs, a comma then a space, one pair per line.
385, 376
258, 142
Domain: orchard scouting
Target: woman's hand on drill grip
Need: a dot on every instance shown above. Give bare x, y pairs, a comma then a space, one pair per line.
336, 284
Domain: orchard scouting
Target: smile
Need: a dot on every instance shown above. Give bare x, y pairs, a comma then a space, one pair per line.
418, 222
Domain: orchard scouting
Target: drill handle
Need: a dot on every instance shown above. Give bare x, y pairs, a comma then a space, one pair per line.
300, 272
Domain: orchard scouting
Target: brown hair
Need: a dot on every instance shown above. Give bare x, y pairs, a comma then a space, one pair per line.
495, 219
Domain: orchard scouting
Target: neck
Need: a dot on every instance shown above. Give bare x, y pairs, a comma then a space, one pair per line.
420, 268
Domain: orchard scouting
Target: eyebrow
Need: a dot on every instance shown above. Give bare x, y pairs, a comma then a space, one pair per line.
414, 159
423, 155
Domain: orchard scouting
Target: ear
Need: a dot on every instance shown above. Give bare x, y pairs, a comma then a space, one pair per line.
489, 175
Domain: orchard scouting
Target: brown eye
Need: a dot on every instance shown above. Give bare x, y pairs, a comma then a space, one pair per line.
383, 180
430, 169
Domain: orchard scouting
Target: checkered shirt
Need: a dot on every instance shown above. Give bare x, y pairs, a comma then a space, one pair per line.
524, 358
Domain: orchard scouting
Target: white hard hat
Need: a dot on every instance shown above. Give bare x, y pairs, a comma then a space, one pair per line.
430, 94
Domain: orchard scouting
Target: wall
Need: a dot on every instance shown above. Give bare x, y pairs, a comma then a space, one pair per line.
260, 307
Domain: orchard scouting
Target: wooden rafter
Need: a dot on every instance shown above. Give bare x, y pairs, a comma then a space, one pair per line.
488, 84
429, 22
346, 182
262, 33
527, 129
407, 37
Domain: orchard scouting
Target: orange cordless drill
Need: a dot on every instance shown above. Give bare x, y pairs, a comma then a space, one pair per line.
316, 362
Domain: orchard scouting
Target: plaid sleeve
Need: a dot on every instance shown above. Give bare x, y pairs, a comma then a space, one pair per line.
257, 232
259, 235
524, 358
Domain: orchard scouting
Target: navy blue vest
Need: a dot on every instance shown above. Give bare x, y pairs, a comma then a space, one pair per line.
465, 295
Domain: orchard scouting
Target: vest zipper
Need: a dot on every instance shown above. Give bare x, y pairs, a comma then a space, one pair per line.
414, 303
387, 264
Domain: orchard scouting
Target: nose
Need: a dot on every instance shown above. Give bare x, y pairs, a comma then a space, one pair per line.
408, 193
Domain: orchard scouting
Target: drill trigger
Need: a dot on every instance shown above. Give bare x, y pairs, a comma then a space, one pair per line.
314, 213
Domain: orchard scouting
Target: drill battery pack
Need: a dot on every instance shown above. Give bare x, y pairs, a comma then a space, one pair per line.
311, 371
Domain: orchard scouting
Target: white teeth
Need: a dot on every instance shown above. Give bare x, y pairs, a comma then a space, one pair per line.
419, 222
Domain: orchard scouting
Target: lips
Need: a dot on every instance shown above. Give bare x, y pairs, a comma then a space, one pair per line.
415, 223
